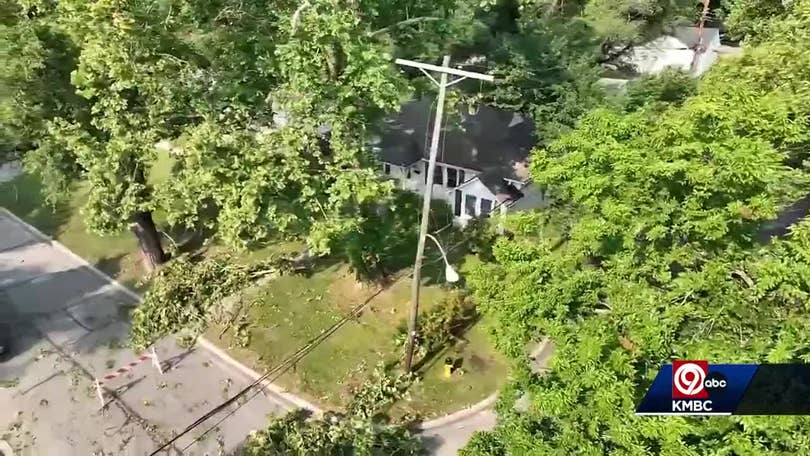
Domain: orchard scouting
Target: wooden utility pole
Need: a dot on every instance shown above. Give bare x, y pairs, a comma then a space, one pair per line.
443, 70
700, 47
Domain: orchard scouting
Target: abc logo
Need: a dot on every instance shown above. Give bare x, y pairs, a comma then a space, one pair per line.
715, 383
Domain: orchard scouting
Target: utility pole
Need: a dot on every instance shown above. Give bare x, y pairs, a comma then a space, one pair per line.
700, 47
443, 70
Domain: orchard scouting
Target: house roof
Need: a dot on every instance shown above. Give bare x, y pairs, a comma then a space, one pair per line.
674, 50
683, 38
503, 190
491, 140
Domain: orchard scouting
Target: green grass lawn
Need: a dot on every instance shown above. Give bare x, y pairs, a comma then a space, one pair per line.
291, 310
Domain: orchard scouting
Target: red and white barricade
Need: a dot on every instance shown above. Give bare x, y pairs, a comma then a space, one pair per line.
124, 369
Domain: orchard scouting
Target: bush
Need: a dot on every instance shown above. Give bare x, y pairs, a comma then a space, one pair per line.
440, 325
657, 91
359, 432
386, 240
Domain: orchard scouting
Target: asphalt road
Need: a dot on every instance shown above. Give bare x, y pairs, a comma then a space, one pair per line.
68, 325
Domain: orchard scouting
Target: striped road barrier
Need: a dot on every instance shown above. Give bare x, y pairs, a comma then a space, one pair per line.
152, 355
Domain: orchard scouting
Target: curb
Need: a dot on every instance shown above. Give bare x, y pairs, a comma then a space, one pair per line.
459, 415
291, 400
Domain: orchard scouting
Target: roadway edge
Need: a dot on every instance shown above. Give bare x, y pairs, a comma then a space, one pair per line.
292, 401
280, 392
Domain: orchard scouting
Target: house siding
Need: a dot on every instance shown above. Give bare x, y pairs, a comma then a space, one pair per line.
470, 187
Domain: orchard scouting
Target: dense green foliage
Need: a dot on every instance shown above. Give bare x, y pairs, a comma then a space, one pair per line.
35, 85
358, 432
187, 291
439, 327
659, 91
383, 242
546, 54
268, 105
747, 19
245, 89
664, 218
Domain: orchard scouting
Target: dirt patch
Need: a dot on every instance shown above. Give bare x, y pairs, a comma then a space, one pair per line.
346, 292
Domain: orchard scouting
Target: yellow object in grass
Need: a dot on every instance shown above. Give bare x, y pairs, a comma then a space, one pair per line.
448, 367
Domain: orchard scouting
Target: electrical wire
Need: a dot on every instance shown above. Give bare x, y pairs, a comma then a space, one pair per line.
299, 354
283, 367
287, 367
308, 350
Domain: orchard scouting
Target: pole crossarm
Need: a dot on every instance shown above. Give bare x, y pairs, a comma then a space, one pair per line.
452, 276
445, 69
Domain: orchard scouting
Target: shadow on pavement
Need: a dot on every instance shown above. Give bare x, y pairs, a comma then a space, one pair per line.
431, 444
44, 303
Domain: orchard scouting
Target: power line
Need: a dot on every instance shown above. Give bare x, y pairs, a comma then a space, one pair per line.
444, 71
299, 354
283, 367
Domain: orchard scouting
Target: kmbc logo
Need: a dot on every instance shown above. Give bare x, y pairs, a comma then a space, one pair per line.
689, 379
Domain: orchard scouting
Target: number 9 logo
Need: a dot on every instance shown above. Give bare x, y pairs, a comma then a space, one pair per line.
688, 378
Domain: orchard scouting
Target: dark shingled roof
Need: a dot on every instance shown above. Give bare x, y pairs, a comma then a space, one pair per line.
491, 140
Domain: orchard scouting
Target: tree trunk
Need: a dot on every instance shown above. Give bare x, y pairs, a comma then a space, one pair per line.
149, 240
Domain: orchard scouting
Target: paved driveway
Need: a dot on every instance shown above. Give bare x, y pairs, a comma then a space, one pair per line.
69, 325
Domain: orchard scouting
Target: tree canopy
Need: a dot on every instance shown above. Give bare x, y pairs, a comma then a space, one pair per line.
268, 105
659, 246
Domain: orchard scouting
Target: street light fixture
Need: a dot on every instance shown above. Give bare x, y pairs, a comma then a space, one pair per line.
450, 274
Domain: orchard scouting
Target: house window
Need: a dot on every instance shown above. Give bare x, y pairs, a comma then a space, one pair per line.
486, 206
438, 175
408, 172
426, 172
469, 205
387, 168
457, 205
452, 178
460, 177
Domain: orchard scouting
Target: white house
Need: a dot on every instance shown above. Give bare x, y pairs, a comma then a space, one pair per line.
482, 163
683, 49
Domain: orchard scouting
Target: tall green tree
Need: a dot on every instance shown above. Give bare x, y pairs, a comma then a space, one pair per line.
307, 172
546, 55
746, 19
34, 78
268, 104
138, 83
652, 253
